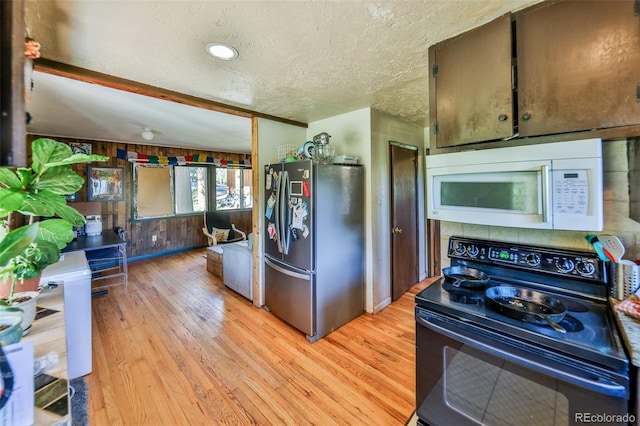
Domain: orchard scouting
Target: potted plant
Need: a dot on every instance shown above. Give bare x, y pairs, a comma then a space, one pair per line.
38, 191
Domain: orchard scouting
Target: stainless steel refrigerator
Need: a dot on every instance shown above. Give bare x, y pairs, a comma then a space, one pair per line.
314, 245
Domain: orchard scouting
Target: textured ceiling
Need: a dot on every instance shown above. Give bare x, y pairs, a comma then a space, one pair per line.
299, 60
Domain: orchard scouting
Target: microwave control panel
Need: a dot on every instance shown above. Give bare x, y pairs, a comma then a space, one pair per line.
571, 192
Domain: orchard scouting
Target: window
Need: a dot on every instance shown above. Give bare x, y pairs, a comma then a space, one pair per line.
172, 190
169, 190
233, 189
152, 191
190, 186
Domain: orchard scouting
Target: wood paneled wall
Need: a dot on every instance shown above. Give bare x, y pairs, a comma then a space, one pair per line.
173, 234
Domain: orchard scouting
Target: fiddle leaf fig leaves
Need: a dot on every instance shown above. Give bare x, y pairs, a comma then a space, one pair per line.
16, 242
46, 151
39, 191
10, 200
50, 153
8, 179
59, 180
55, 231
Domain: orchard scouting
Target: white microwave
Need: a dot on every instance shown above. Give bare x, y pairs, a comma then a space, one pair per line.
545, 186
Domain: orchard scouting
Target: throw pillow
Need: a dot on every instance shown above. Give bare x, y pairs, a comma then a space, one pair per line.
221, 234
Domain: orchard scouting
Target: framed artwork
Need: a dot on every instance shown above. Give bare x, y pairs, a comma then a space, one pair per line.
105, 183
80, 148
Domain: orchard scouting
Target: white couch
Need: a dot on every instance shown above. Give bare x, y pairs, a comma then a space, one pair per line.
237, 267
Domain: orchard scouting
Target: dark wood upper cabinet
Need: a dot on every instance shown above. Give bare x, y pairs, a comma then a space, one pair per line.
578, 66
471, 88
575, 67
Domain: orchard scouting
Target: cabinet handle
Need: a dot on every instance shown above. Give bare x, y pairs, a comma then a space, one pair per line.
503, 117
527, 115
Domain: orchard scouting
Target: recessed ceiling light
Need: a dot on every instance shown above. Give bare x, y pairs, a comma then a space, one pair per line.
222, 51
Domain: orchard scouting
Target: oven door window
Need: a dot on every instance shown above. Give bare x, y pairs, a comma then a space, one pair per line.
468, 375
491, 391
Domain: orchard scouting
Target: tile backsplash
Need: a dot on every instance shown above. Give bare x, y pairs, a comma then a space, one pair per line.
617, 219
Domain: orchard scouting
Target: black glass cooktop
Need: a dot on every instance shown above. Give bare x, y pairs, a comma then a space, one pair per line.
590, 330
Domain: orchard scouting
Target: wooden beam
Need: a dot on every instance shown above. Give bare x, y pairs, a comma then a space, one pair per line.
255, 219
93, 77
12, 89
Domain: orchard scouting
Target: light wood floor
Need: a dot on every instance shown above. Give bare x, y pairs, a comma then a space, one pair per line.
176, 347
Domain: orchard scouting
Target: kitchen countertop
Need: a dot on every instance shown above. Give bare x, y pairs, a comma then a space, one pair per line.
52, 403
630, 331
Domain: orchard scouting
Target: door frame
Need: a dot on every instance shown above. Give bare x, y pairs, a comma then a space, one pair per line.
416, 227
434, 255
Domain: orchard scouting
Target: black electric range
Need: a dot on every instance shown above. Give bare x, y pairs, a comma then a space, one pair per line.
588, 356
591, 330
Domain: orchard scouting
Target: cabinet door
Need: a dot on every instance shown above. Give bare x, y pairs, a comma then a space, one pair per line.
578, 66
471, 78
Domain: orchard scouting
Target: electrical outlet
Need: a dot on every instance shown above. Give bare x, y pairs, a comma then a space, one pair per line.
154, 238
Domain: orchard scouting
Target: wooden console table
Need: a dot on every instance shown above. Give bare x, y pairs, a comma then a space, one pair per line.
107, 257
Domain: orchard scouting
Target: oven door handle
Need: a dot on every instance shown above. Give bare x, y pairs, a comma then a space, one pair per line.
591, 380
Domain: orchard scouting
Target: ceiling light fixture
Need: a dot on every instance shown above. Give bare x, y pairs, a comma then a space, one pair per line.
222, 51
147, 134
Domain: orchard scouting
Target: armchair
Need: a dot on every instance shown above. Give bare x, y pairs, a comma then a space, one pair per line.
219, 229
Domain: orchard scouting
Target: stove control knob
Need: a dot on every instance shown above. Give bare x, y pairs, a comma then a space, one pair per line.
584, 267
564, 265
532, 259
459, 250
473, 251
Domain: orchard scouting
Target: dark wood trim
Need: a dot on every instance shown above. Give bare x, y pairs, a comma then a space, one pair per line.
88, 76
605, 134
12, 88
434, 268
433, 105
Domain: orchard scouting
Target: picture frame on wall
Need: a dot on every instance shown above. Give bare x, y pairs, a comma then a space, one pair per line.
80, 148
105, 183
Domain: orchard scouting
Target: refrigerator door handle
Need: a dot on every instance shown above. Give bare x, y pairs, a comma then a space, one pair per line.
282, 270
284, 214
276, 213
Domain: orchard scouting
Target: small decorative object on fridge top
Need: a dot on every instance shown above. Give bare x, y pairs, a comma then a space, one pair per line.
307, 150
322, 153
285, 151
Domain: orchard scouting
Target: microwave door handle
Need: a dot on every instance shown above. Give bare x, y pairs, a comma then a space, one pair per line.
546, 194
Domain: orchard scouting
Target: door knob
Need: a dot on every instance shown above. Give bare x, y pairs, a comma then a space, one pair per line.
397, 230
